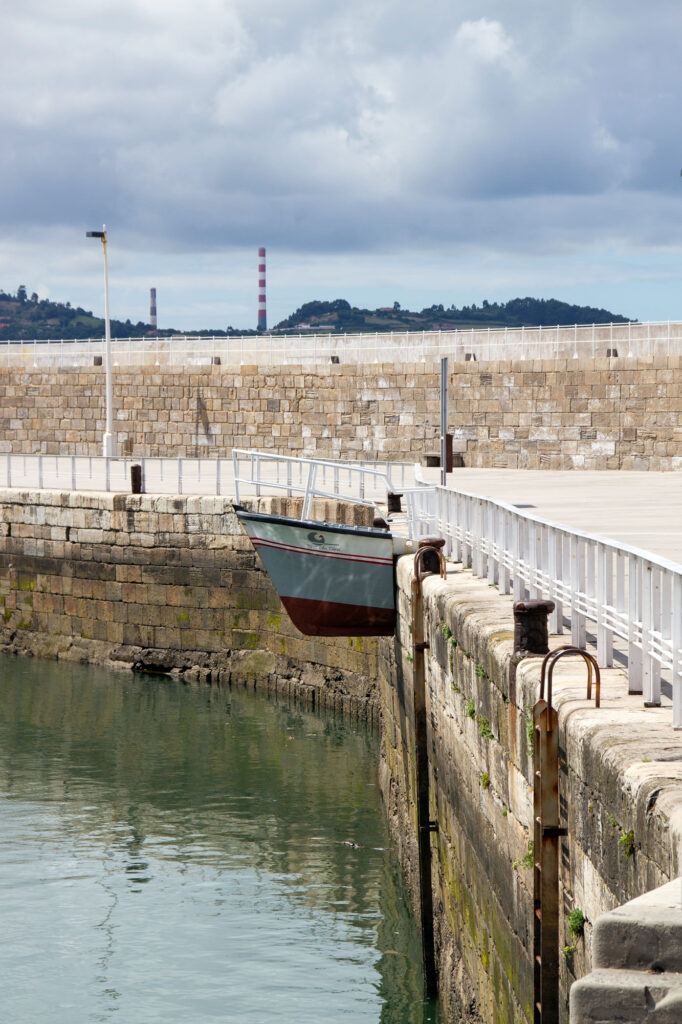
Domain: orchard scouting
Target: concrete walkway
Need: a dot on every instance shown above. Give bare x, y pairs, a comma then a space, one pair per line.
643, 510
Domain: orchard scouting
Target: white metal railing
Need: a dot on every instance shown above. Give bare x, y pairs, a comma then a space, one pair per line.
359, 480
637, 340
366, 483
96, 473
628, 594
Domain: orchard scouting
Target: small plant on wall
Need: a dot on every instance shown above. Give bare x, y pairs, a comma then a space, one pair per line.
576, 922
627, 844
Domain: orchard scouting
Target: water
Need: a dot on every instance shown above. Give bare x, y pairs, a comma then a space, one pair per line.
191, 854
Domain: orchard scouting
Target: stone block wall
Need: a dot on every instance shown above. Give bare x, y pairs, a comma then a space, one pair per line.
171, 584
620, 788
554, 413
166, 584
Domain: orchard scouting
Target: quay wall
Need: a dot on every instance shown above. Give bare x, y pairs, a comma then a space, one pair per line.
166, 584
171, 584
620, 788
619, 413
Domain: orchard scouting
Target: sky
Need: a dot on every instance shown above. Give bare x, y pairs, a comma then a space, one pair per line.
443, 152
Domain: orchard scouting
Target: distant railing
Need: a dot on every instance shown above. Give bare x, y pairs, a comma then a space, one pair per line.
360, 481
96, 473
366, 483
628, 594
634, 340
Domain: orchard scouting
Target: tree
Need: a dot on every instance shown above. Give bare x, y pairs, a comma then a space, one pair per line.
21, 293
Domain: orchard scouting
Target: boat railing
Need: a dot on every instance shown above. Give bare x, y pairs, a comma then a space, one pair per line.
365, 483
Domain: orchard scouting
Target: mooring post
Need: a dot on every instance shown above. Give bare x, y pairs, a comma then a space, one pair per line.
428, 559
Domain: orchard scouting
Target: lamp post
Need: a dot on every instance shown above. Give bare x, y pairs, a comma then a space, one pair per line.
108, 441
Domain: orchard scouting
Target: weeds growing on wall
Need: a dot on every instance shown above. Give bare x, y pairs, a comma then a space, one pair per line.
627, 844
484, 728
576, 922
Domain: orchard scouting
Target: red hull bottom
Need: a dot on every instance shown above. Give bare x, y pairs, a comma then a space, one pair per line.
329, 618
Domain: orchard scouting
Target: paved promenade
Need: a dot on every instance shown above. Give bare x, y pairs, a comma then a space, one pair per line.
643, 510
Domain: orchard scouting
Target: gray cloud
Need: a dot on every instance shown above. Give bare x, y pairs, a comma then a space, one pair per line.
323, 125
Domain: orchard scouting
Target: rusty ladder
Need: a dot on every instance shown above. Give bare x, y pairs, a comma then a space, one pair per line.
546, 834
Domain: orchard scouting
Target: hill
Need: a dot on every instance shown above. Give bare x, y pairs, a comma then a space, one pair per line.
24, 316
339, 315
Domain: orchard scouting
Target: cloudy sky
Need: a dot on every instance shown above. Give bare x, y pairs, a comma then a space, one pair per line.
382, 150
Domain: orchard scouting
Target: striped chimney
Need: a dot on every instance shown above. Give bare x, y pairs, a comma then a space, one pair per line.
262, 316
152, 307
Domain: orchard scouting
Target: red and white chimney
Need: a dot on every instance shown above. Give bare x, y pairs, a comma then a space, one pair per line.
262, 315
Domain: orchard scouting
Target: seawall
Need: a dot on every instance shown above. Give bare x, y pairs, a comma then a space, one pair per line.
166, 584
171, 584
581, 413
620, 788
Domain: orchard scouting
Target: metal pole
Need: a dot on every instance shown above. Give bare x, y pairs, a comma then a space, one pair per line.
108, 441
422, 783
443, 418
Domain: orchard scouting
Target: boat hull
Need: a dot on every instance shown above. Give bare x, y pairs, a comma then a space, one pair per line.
333, 580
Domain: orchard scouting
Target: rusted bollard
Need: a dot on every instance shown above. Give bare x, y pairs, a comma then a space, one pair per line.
531, 633
393, 502
136, 479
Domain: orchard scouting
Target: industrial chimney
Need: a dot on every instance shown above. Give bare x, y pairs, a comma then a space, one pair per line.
262, 316
152, 307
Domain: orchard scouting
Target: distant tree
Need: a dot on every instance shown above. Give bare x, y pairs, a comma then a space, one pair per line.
34, 298
21, 293
396, 306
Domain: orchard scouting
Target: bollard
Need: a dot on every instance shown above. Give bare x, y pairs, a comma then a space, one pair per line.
394, 502
136, 479
531, 633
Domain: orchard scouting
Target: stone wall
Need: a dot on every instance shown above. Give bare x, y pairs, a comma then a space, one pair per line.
171, 584
555, 414
620, 788
165, 584
637, 963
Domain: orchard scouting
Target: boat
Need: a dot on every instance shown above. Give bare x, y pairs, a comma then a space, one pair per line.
333, 579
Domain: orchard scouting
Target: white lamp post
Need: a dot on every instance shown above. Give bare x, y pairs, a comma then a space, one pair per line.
108, 441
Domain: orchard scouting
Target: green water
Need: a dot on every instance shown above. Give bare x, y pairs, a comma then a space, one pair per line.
170, 853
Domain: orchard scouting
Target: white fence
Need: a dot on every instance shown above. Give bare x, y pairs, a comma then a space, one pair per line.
358, 480
637, 340
633, 599
367, 483
628, 594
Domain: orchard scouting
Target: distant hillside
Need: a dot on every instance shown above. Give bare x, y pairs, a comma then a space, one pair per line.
27, 316
24, 316
339, 315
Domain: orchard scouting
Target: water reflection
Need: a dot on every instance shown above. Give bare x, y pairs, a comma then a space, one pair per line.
170, 854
